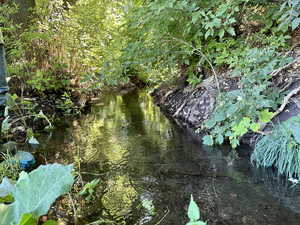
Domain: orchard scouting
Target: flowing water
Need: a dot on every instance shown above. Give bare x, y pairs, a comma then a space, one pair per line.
148, 168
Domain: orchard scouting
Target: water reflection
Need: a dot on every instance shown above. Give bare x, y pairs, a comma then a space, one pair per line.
151, 167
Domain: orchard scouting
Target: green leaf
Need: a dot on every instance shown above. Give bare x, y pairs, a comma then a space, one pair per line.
231, 31
221, 33
255, 127
234, 142
265, 116
295, 23
5, 213
208, 140
33, 141
193, 211
6, 187
28, 219
219, 139
36, 191
50, 222
5, 124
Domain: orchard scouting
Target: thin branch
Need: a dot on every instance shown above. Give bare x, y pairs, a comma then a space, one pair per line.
275, 72
163, 217
204, 56
283, 105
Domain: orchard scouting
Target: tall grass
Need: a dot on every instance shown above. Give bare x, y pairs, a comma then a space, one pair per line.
280, 149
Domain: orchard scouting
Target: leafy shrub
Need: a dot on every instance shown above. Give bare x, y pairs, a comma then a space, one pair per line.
290, 14
241, 110
281, 148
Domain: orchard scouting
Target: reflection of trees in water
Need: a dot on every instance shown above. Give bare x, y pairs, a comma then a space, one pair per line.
120, 138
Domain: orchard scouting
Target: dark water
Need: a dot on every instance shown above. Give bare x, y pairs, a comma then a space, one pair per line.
148, 168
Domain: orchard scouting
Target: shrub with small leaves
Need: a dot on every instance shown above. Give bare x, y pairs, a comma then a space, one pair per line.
242, 110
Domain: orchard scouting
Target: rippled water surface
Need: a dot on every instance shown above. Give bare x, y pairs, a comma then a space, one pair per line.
148, 168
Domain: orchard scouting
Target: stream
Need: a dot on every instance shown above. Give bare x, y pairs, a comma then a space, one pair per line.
148, 168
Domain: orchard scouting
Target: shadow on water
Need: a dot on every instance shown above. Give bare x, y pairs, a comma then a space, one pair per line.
149, 167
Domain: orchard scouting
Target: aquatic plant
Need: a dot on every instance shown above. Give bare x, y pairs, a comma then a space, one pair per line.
194, 213
34, 193
281, 148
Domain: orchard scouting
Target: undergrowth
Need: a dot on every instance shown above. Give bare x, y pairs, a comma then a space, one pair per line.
244, 109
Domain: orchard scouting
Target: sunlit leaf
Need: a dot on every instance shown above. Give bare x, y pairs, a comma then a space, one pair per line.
193, 210
208, 140
28, 219
265, 116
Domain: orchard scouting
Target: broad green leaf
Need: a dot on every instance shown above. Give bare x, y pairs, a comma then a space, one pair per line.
208, 140
6, 187
193, 211
28, 219
36, 191
265, 116
5, 214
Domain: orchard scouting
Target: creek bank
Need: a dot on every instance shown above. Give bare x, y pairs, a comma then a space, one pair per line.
56, 105
190, 106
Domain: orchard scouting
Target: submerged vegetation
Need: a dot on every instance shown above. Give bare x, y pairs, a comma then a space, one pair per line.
64, 52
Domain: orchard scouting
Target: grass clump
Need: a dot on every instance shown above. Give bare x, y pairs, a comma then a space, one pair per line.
281, 148
9, 167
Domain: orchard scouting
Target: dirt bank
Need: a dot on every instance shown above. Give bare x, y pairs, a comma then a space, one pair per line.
191, 106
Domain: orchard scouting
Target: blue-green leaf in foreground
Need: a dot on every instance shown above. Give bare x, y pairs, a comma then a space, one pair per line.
36, 191
193, 211
6, 187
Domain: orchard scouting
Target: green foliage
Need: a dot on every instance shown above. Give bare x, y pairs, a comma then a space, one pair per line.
290, 14
239, 111
194, 213
35, 192
163, 33
281, 148
8, 168
29, 219
17, 111
89, 189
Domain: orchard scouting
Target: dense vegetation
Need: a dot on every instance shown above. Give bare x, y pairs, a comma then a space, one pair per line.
75, 48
